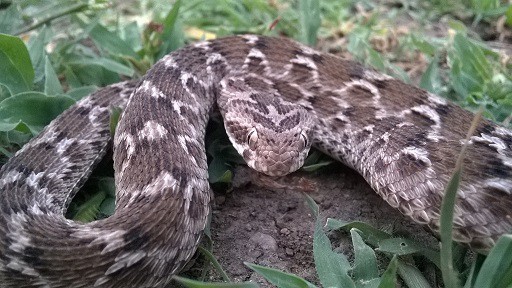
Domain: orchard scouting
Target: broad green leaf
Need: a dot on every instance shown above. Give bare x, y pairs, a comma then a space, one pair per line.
51, 83
19, 135
470, 69
36, 49
108, 206
365, 262
370, 234
16, 72
80, 75
399, 246
111, 42
79, 93
198, 284
107, 185
509, 16
412, 276
430, 80
280, 279
131, 34
404, 246
106, 63
332, 268
89, 209
219, 172
423, 45
10, 19
35, 109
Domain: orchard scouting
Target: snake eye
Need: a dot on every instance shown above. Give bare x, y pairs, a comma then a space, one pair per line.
252, 138
304, 138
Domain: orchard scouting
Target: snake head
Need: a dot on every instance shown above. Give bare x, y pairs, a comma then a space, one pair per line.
272, 135
275, 152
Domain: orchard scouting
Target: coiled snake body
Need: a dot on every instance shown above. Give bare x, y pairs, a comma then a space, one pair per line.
403, 140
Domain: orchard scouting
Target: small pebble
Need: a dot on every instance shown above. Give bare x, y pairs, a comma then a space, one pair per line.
265, 241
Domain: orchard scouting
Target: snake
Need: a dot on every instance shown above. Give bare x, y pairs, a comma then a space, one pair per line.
278, 98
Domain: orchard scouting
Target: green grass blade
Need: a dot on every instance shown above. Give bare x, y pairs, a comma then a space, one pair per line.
279, 278
171, 37
496, 270
312, 206
389, 276
115, 115
450, 276
215, 263
198, 284
473, 272
309, 13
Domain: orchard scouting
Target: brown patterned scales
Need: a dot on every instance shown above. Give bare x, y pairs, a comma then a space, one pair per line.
403, 141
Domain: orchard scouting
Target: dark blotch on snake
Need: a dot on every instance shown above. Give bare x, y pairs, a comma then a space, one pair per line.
135, 239
32, 255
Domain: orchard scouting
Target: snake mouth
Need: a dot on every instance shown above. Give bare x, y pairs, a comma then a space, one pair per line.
277, 168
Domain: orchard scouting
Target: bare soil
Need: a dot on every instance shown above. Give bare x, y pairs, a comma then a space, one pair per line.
274, 228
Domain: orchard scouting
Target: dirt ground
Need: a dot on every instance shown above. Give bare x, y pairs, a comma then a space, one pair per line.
274, 228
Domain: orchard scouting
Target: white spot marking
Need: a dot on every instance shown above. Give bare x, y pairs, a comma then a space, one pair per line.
251, 39
304, 61
11, 177
369, 74
95, 114
500, 184
113, 239
493, 141
436, 99
23, 268
418, 154
169, 62
63, 145
203, 45
130, 143
126, 259
33, 179
153, 91
152, 130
